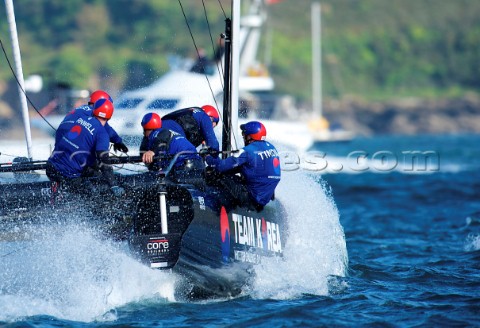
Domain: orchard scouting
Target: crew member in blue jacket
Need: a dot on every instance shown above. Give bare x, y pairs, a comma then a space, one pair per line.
87, 110
259, 165
196, 124
165, 144
82, 149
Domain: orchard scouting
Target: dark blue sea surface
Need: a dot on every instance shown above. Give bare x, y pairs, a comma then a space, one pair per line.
380, 240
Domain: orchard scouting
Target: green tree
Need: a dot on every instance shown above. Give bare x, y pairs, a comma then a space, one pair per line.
72, 66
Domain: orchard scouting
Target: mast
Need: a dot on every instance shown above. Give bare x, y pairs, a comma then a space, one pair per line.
227, 122
231, 79
19, 74
316, 60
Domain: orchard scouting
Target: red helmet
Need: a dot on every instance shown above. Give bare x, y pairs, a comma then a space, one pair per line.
151, 121
99, 94
212, 112
254, 129
103, 108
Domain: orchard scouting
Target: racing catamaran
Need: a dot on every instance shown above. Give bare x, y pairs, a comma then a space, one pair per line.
185, 223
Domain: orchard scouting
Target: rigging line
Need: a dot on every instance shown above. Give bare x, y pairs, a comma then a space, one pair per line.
194, 43
217, 63
198, 53
18, 82
223, 10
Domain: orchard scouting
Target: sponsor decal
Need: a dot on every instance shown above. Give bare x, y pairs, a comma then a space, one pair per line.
74, 132
224, 234
256, 232
268, 153
244, 256
86, 125
276, 165
157, 246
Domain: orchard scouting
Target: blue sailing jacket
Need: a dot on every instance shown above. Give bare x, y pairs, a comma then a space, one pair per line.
259, 164
174, 126
194, 124
167, 143
77, 140
206, 128
88, 111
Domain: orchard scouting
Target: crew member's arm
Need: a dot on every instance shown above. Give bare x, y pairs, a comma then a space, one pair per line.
104, 161
117, 141
230, 163
208, 133
112, 134
108, 175
105, 167
156, 145
147, 155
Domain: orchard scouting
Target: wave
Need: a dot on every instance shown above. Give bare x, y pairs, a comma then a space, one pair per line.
316, 248
70, 272
472, 243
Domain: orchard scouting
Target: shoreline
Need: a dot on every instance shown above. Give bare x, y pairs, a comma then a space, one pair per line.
406, 116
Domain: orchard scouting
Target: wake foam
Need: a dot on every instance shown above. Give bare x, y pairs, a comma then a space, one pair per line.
72, 273
315, 246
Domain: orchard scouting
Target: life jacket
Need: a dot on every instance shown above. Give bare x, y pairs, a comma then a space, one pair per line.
163, 137
184, 117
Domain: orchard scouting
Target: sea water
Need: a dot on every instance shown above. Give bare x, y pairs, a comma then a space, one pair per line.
377, 237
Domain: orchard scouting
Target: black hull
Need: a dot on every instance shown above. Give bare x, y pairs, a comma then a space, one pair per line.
223, 243
210, 242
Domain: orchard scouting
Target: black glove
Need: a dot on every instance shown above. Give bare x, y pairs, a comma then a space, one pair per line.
117, 191
204, 152
120, 146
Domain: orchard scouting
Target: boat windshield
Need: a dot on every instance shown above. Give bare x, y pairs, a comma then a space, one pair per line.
163, 104
128, 103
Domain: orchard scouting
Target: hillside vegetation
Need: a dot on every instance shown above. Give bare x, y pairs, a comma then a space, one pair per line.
372, 49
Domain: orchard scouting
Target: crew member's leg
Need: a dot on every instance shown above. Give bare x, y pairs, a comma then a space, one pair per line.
72, 184
235, 185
